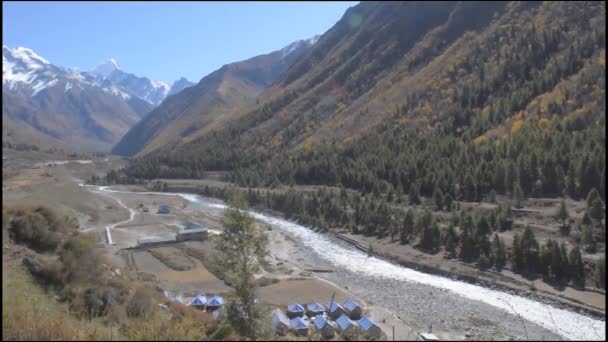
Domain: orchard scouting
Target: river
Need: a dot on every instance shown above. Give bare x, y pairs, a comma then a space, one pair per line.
439, 300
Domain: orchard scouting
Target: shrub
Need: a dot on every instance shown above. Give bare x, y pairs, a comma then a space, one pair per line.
143, 302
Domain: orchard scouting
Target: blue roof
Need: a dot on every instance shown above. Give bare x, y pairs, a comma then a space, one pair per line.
315, 307
279, 317
332, 307
366, 323
344, 322
295, 307
351, 305
215, 301
298, 323
199, 300
320, 322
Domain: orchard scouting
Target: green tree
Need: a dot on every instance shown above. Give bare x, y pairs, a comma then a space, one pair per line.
492, 196
518, 196
447, 202
498, 253
414, 195
577, 268
597, 209
600, 273
243, 248
517, 258
587, 239
562, 215
438, 198
530, 250
449, 241
591, 196
407, 228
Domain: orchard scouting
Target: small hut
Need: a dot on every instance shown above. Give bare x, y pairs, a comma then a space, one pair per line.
163, 209
369, 327
299, 325
280, 322
314, 309
334, 310
215, 302
199, 302
352, 309
295, 310
345, 325
324, 326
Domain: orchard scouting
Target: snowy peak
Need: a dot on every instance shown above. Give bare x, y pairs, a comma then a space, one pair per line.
107, 68
179, 85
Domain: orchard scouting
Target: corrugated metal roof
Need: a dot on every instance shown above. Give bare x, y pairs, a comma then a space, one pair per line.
278, 317
344, 322
295, 307
315, 307
298, 323
365, 323
351, 305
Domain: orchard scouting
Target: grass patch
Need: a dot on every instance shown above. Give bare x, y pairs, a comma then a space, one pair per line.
172, 260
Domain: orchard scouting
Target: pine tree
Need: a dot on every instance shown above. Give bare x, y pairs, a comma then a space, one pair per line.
597, 211
438, 198
562, 215
517, 259
450, 241
492, 196
467, 245
518, 196
498, 253
529, 248
577, 268
407, 228
591, 196
414, 195
447, 202
600, 273
587, 239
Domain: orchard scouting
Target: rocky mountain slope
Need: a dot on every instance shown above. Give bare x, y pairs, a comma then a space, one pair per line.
219, 97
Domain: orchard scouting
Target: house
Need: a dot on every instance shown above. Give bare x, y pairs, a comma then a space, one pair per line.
314, 309
215, 302
334, 310
163, 209
369, 327
280, 322
192, 234
352, 309
199, 302
299, 325
294, 310
326, 327
345, 325
427, 337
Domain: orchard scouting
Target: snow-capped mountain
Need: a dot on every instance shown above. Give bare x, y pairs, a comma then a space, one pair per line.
179, 85
151, 91
78, 108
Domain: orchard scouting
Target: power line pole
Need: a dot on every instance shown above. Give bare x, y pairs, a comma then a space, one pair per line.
331, 303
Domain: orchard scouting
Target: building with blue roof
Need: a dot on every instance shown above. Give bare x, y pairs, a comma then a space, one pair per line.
299, 325
294, 310
352, 309
369, 327
314, 309
215, 302
280, 322
199, 301
163, 209
334, 310
346, 325
325, 326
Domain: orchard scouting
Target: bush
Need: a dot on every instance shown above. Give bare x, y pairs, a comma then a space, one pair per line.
38, 227
143, 302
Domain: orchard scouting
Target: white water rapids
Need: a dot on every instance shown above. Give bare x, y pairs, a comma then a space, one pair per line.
569, 324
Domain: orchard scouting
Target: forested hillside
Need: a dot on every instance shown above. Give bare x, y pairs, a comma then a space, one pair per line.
512, 101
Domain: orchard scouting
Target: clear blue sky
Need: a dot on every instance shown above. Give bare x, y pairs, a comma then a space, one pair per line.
162, 40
